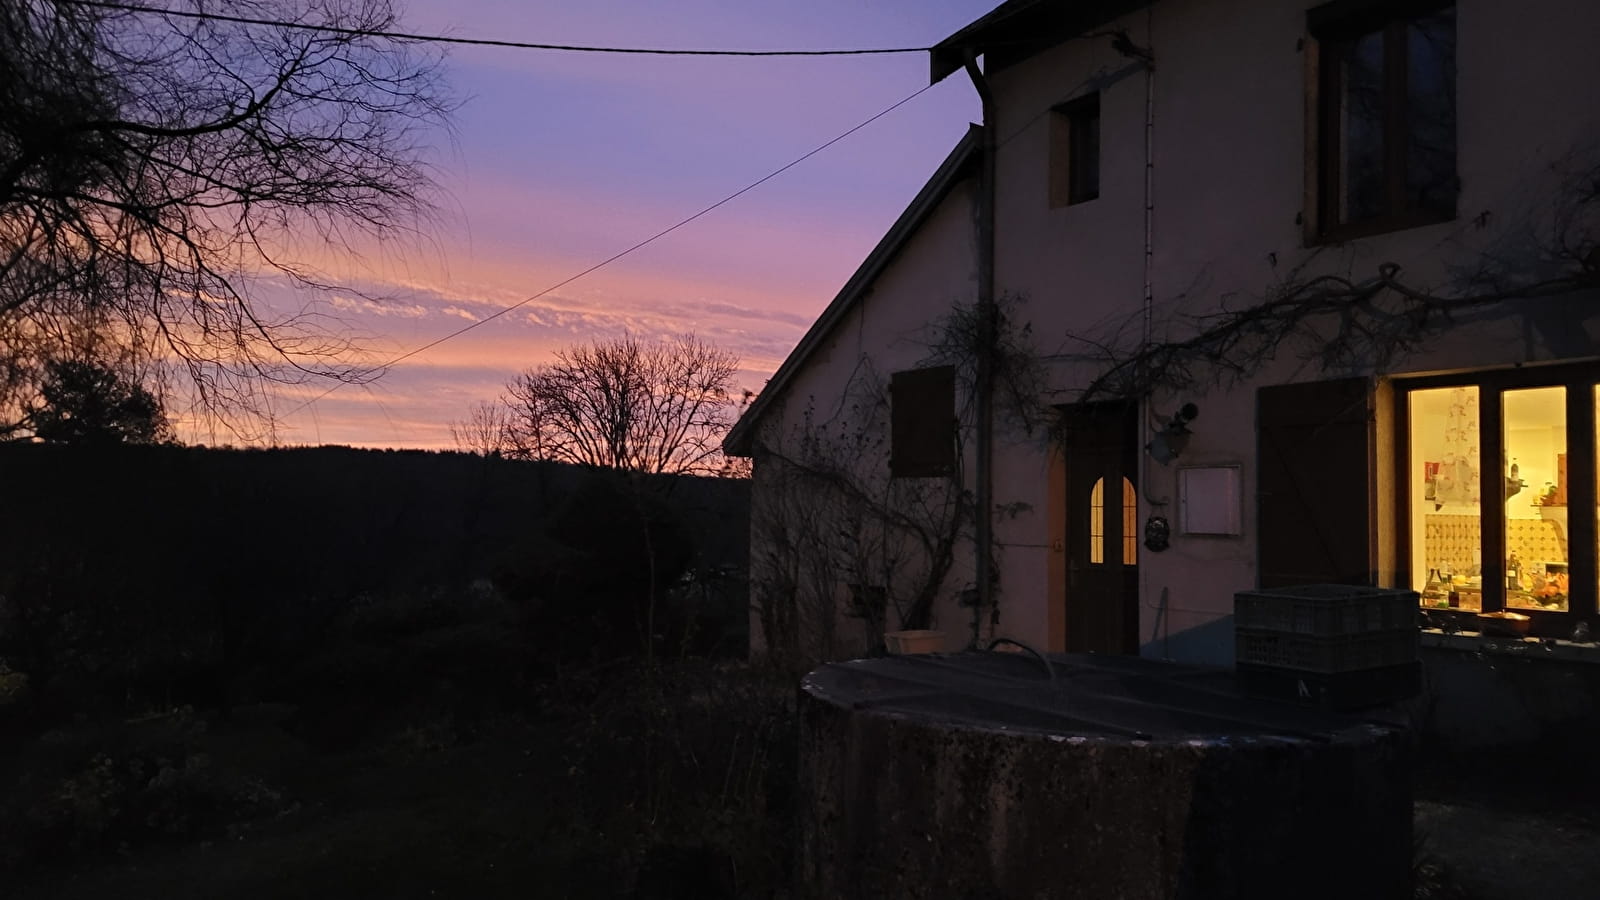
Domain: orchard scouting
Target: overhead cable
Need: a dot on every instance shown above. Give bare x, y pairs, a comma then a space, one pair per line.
620, 254
474, 42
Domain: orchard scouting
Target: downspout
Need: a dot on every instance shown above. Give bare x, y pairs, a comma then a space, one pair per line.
983, 386
1148, 334
1149, 202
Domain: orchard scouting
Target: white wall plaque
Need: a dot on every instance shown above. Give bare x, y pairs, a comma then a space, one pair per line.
1209, 500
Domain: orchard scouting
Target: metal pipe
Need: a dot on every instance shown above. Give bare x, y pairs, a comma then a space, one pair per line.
1149, 284
983, 382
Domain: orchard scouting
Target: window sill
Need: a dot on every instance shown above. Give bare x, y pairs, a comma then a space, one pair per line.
1073, 204
1527, 648
1342, 234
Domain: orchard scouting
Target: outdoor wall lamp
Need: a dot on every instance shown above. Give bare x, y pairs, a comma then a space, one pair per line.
1169, 442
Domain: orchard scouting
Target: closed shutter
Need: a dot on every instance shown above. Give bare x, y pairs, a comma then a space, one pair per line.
1314, 490
922, 404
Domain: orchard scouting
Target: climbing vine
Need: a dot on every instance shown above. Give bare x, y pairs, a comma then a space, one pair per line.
1362, 319
841, 541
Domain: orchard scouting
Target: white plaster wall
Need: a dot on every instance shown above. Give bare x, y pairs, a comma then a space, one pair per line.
891, 329
1229, 162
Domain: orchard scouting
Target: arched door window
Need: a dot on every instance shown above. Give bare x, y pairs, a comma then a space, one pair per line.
1097, 523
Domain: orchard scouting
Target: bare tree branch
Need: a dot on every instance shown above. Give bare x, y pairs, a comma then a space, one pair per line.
625, 404
154, 170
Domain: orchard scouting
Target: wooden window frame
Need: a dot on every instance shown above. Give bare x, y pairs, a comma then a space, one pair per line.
1579, 379
1075, 151
1331, 26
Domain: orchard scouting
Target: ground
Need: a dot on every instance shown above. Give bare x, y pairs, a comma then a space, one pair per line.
635, 780
478, 820
467, 777
1512, 825
412, 815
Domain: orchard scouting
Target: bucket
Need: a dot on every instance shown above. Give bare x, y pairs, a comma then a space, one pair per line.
918, 641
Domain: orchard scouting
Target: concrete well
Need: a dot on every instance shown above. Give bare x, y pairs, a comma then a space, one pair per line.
982, 775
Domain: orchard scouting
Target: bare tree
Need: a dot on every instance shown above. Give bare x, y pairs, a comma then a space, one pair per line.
484, 432
625, 404
155, 168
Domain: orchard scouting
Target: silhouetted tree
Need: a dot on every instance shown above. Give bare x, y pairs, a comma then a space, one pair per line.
88, 403
483, 432
625, 404
153, 165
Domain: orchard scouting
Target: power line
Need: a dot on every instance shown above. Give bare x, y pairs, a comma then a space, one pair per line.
475, 42
616, 256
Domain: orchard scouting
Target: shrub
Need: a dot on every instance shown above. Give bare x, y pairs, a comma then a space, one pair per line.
688, 769
13, 686
98, 788
595, 577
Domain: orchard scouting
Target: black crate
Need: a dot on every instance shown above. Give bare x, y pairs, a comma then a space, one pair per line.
1325, 654
1325, 610
1335, 690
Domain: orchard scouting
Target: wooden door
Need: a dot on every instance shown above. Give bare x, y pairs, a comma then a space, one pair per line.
1100, 446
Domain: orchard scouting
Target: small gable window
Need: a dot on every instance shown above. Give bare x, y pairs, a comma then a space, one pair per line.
1075, 151
922, 404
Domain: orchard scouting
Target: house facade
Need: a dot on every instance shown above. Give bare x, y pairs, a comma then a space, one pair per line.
1280, 293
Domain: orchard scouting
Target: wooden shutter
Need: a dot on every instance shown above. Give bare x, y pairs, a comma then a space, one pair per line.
1315, 484
922, 404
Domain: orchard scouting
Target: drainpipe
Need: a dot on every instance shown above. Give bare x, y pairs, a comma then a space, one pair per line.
1148, 335
984, 386
1149, 201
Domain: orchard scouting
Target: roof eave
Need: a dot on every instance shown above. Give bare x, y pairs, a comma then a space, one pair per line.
950, 55
1019, 29
740, 438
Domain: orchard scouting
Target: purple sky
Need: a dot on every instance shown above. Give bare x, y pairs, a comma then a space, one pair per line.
560, 160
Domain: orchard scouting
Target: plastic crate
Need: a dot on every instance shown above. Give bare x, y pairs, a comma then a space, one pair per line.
1326, 610
1326, 655
1341, 690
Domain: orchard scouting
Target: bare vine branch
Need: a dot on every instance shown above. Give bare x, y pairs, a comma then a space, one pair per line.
1336, 321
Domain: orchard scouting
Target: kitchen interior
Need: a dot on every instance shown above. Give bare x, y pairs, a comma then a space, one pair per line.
1446, 505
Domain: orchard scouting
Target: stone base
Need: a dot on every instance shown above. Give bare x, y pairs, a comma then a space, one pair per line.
916, 789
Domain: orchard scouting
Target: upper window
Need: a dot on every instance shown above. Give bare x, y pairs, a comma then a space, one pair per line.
1075, 151
1387, 115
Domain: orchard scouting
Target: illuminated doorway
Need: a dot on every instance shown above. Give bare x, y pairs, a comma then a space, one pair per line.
1102, 584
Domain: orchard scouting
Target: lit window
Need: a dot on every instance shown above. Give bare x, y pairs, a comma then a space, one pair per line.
1498, 519
1535, 422
1097, 523
1130, 524
1446, 544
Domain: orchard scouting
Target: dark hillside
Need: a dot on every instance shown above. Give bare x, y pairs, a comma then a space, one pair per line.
132, 570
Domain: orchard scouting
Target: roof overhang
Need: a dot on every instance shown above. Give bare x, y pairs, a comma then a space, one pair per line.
1018, 29
959, 165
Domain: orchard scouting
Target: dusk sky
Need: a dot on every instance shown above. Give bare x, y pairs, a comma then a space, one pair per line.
559, 160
